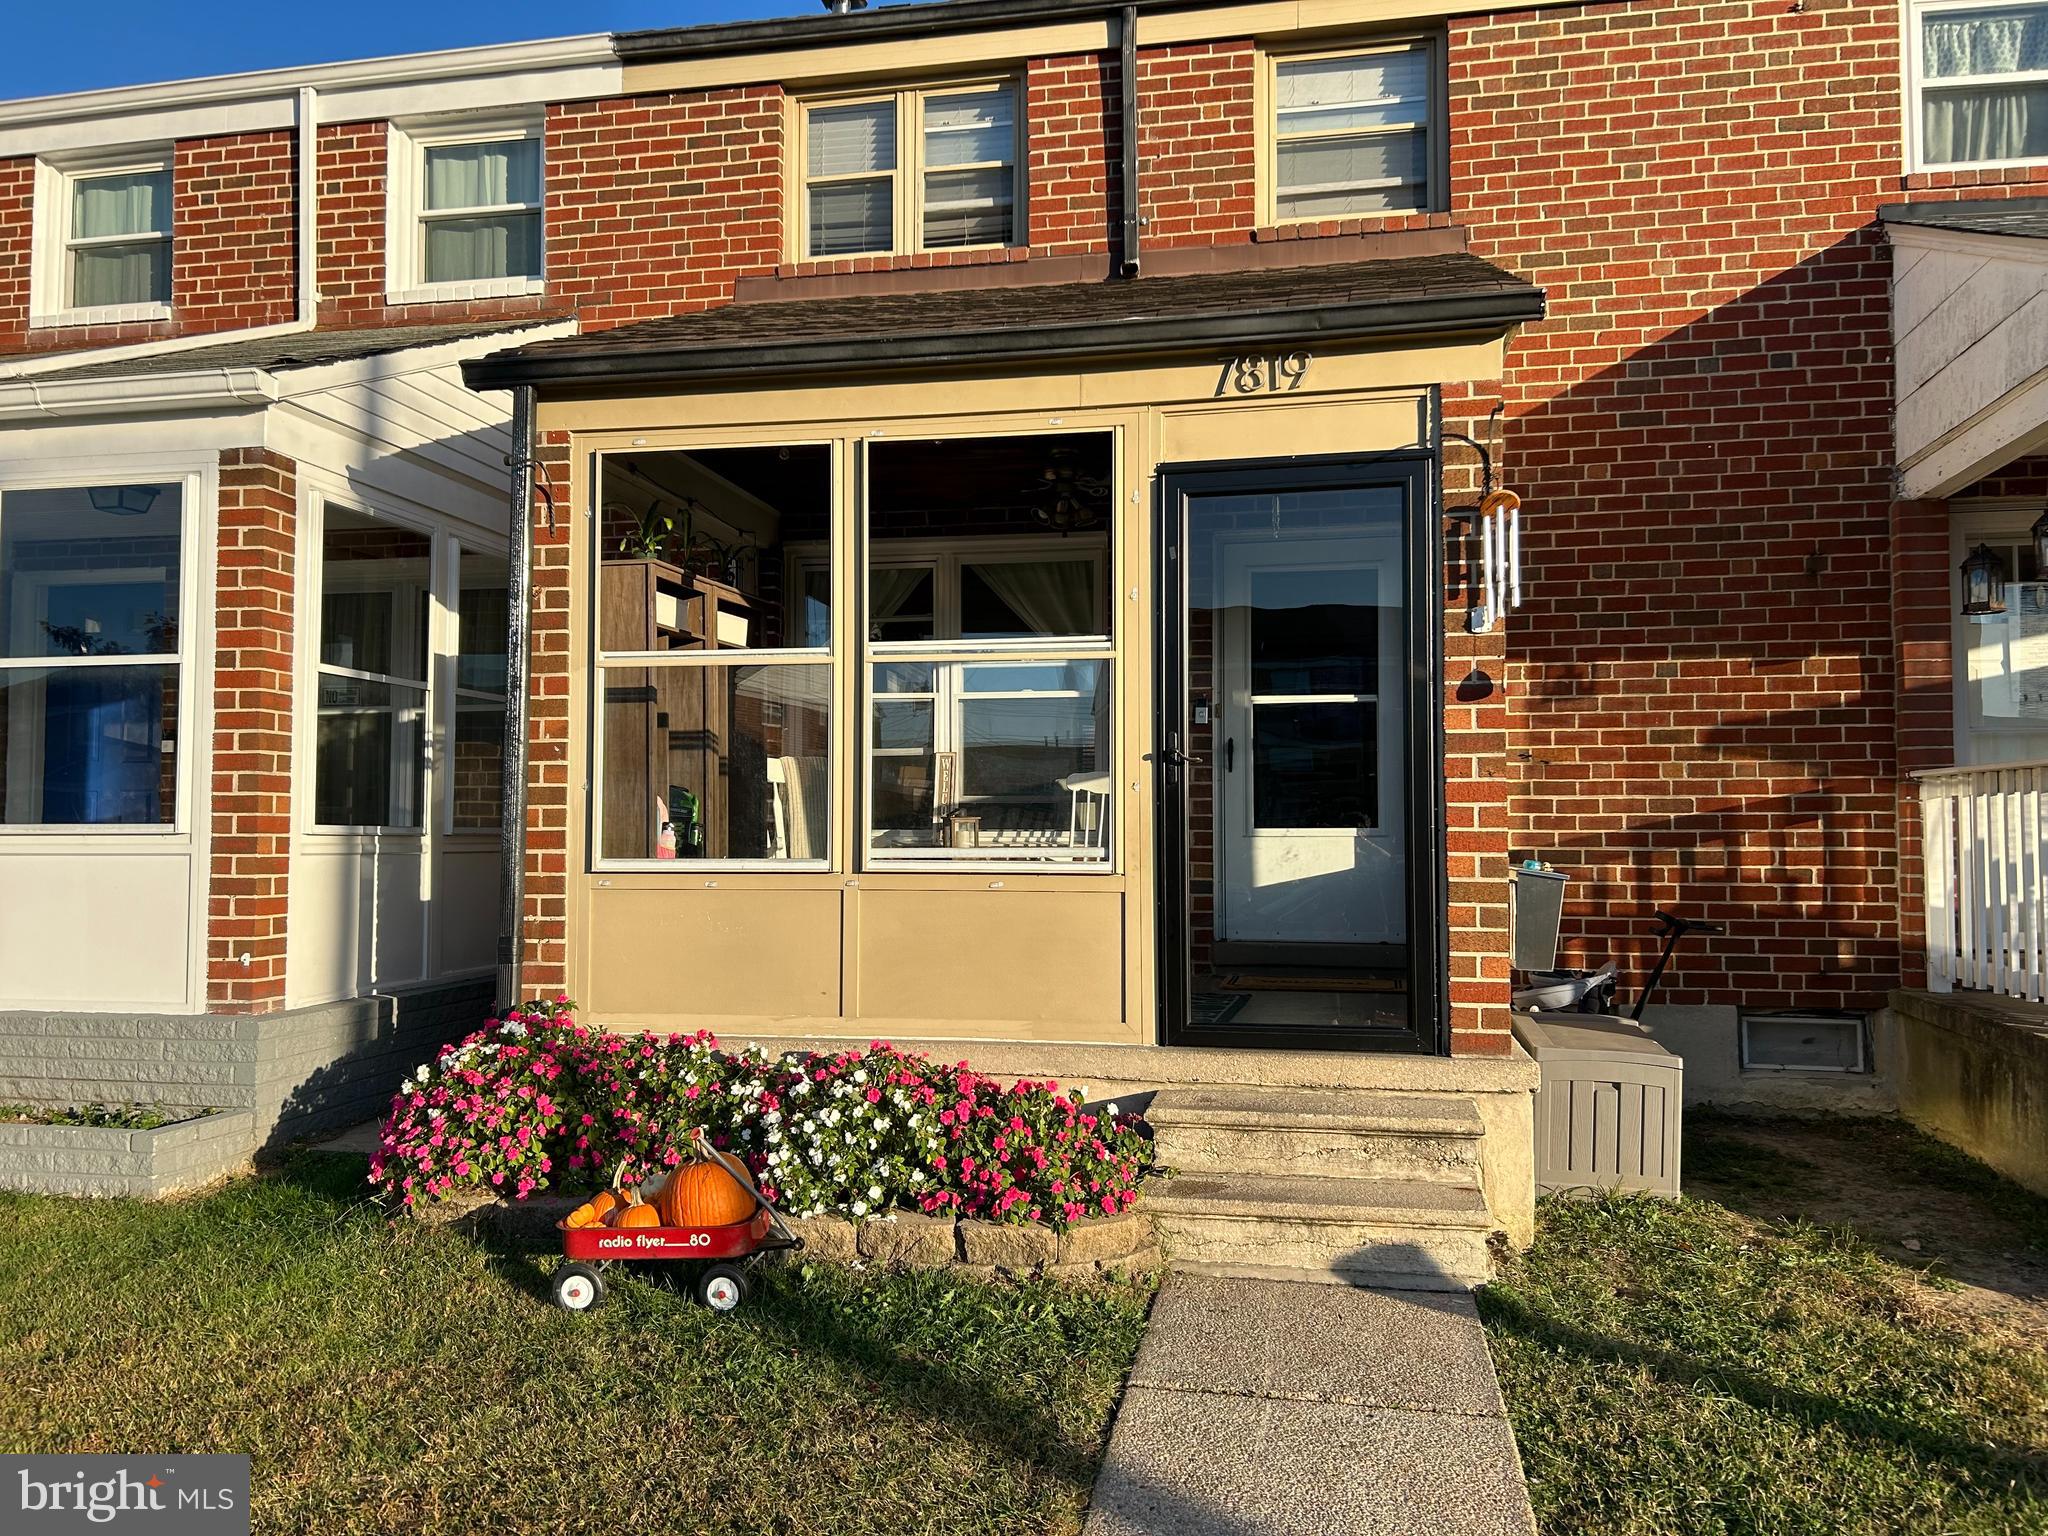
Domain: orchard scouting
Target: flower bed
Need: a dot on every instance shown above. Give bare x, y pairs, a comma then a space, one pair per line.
538, 1099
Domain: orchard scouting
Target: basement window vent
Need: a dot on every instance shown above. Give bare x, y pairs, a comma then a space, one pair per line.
1816, 1041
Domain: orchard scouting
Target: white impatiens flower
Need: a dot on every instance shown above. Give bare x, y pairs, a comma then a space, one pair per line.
860, 1207
1109, 1110
874, 1191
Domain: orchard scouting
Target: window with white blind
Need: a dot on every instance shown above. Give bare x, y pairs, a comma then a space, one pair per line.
103, 236
910, 170
1353, 133
1979, 76
466, 210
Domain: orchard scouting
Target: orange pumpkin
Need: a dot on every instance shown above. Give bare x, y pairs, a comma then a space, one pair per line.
705, 1195
582, 1216
603, 1203
639, 1216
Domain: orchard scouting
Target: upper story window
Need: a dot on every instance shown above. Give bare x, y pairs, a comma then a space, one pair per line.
466, 210
1353, 133
911, 170
103, 229
1980, 73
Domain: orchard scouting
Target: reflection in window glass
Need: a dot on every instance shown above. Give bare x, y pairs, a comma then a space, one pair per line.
87, 574
476, 771
369, 748
717, 762
89, 746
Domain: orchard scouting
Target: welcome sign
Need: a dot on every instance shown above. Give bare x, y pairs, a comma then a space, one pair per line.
156, 1495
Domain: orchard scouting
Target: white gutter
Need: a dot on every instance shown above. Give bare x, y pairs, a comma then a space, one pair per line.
215, 388
308, 285
390, 70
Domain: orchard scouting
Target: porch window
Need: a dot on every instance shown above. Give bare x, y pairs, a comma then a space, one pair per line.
1981, 75
369, 756
91, 656
910, 170
990, 665
715, 667
1352, 132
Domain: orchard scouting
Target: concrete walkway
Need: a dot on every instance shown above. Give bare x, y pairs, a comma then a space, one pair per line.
1277, 1408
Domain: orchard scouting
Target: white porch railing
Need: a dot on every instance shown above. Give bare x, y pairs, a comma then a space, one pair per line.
1987, 878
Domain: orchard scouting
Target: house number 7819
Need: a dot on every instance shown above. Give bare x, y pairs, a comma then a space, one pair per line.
1262, 373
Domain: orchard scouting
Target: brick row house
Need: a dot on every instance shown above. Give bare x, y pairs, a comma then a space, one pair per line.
1103, 532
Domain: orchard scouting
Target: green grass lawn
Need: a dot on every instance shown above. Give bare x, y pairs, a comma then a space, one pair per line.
401, 1378
1706, 1367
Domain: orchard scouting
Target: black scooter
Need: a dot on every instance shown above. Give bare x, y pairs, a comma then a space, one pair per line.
1594, 991
1674, 928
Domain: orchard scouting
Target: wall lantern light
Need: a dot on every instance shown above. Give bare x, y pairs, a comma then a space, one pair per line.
122, 500
1983, 583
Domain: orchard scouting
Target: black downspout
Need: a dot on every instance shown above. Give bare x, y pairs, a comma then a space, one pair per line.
1127, 79
512, 826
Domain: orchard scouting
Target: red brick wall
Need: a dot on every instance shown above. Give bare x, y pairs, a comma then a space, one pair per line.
1195, 144
1704, 686
234, 258
1073, 115
657, 203
252, 733
545, 916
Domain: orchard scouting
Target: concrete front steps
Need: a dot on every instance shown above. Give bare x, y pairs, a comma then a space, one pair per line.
1347, 1186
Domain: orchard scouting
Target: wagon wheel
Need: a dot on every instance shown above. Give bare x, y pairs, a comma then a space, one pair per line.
722, 1287
578, 1287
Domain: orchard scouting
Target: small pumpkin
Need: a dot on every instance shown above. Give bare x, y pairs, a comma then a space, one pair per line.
642, 1215
583, 1216
705, 1195
603, 1203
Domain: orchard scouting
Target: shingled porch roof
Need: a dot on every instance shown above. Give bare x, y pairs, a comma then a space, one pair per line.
1446, 294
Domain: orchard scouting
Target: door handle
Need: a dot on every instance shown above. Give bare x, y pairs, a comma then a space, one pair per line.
1230, 754
1173, 757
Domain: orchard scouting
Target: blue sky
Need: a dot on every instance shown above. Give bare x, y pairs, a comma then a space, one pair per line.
60, 45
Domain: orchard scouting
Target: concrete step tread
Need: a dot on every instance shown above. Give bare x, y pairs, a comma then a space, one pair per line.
1334, 1109
1360, 1202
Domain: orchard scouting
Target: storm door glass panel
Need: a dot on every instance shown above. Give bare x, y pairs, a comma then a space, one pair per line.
369, 756
850, 178
1297, 672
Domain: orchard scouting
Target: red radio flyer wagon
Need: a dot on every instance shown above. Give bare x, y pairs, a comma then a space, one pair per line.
726, 1253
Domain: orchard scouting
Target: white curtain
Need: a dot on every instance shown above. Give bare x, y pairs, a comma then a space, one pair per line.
1986, 123
483, 175
1052, 597
889, 588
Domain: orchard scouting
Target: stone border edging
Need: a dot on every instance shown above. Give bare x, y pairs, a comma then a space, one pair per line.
1088, 1250
105, 1160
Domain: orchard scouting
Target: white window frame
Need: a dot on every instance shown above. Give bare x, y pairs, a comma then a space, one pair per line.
50, 259
949, 657
403, 623
194, 715
1434, 124
1912, 50
405, 211
907, 178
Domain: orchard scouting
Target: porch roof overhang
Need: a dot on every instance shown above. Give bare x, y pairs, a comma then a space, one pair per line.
1443, 295
1969, 339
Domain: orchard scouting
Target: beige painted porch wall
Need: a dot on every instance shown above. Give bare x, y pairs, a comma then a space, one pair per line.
929, 954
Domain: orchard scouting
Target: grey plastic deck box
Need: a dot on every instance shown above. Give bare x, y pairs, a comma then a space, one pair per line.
1608, 1106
